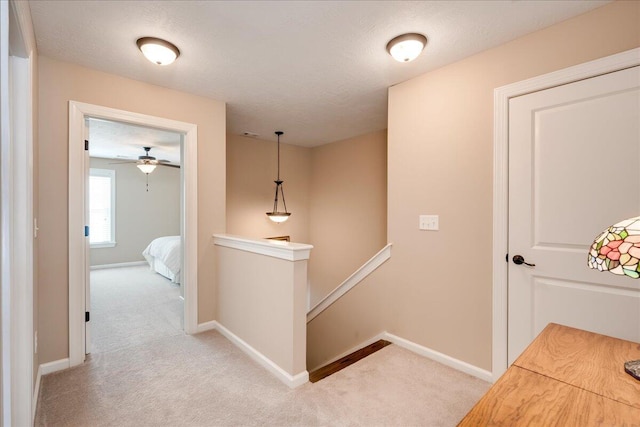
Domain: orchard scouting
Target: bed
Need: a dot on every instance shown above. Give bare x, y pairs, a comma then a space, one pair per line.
164, 256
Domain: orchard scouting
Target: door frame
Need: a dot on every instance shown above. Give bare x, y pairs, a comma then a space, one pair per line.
501, 98
17, 74
78, 243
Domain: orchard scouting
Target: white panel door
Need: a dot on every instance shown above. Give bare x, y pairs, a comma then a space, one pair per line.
574, 157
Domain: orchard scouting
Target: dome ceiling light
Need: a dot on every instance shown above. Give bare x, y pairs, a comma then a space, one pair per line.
158, 51
406, 47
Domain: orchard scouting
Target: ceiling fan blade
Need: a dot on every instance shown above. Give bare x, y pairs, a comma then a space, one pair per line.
123, 162
169, 165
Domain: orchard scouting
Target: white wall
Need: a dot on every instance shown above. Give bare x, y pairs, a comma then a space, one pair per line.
141, 216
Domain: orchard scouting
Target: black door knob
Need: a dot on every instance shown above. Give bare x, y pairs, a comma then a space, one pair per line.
519, 259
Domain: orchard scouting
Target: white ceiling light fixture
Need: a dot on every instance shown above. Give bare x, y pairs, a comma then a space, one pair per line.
406, 47
146, 166
147, 163
158, 51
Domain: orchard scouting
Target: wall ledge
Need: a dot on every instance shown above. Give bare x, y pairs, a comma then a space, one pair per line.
273, 248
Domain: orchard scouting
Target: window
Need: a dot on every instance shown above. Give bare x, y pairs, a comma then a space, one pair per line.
102, 208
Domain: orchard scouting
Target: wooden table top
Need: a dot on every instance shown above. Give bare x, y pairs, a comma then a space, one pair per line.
590, 361
521, 397
566, 377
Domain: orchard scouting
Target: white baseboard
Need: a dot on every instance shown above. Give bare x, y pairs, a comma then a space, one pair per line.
44, 369
118, 265
36, 392
206, 326
55, 366
376, 338
292, 381
440, 357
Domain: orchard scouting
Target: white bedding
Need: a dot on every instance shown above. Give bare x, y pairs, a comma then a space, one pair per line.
164, 256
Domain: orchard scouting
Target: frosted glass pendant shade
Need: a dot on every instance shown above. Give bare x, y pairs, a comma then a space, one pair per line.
278, 216
146, 167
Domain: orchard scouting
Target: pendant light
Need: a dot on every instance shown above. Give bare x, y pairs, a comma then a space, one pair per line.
275, 215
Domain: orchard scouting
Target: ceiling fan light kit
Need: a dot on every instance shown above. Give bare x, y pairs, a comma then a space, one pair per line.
158, 51
146, 166
406, 47
275, 215
147, 163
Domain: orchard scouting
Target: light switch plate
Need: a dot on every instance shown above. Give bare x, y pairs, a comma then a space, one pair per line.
429, 222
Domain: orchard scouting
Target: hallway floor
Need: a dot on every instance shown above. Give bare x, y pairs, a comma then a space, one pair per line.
204, 380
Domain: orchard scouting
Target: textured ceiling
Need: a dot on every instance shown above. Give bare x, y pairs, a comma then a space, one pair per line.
114, 140
317, 70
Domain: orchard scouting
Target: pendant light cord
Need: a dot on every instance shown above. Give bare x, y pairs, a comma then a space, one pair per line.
278, 133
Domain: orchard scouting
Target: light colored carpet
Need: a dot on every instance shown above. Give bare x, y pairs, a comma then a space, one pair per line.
132, 306
204, 380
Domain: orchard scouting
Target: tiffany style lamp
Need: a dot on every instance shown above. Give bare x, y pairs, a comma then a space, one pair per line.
617, 250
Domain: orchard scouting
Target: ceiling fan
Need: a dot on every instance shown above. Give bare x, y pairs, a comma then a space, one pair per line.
148, 163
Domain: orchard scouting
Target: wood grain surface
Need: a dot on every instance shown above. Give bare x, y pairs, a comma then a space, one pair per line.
586, 360
566, 377
350, 359
524, 398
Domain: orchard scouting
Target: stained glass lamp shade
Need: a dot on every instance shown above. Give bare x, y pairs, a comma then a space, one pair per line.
617, 249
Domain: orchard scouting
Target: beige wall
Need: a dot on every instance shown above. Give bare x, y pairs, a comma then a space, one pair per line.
60, 82
251, 170
348, 208
265, 305
141, 215
336, 192
340, 191
359, 315
437, 287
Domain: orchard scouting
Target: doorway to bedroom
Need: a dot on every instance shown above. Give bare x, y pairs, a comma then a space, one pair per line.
134, 208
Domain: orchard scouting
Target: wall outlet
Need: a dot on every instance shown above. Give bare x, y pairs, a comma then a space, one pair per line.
429, 222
